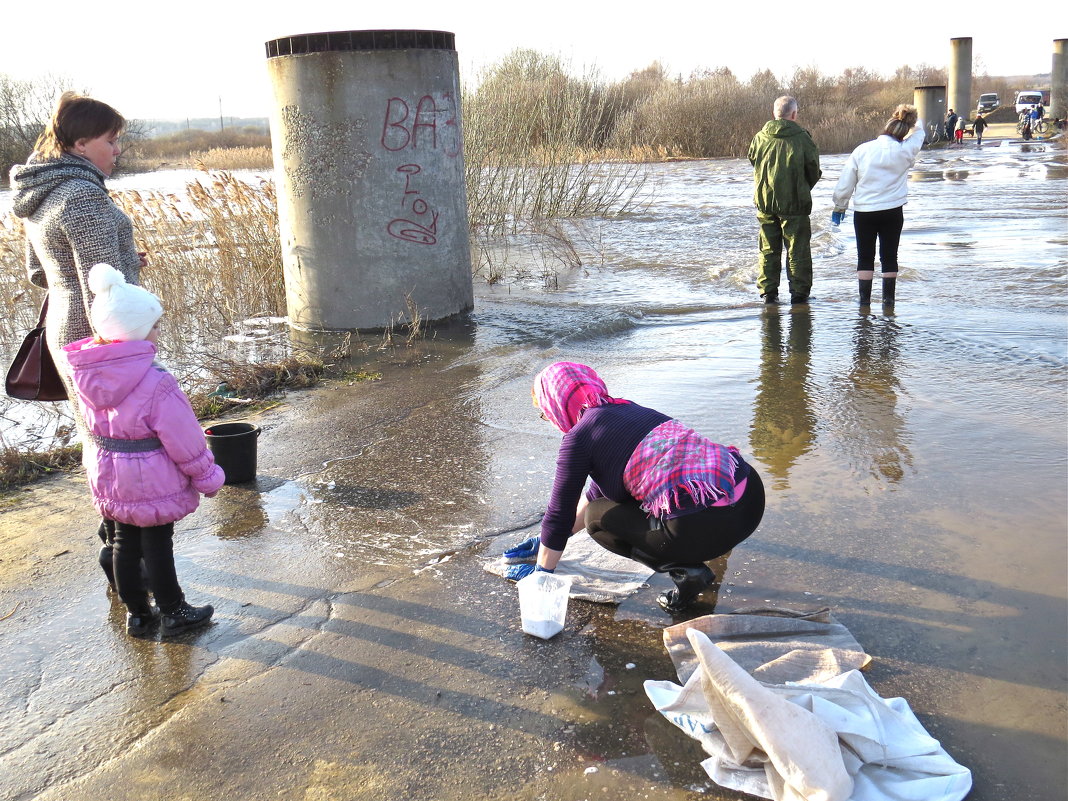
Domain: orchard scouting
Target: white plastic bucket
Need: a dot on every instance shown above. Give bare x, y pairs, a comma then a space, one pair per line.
543, 603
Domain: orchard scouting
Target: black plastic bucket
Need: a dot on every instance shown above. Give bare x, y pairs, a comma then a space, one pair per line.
234, 447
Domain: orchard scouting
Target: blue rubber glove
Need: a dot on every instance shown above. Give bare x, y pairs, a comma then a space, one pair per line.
525, 551
516, 572
837, 217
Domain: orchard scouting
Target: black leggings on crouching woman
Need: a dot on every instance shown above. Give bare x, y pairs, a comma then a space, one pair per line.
624, 528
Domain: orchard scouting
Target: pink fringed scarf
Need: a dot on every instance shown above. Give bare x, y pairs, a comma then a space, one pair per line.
673, 459
564, 389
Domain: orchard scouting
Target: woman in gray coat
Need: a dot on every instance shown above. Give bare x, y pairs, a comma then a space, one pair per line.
71, 224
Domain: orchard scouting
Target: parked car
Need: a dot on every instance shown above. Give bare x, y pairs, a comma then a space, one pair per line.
1026, 99
988, 101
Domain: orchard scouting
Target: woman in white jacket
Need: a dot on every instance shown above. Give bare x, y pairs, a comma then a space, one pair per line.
876, 176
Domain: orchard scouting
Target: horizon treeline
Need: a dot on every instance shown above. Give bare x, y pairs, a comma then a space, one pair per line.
531, 100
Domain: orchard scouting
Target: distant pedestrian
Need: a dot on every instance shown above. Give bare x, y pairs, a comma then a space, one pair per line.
875, 176
145, 456
979, 126
786, 165
961, 125
950, 125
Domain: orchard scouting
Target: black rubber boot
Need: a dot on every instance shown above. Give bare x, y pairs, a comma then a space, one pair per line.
865, 291
889, 288
141, 618
107, 565
797, 300
184, 617
690, 581
770, 298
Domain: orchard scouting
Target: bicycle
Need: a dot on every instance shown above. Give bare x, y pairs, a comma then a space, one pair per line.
1038, 127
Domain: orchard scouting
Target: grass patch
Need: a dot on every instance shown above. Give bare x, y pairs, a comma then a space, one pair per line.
252, 386
18, 467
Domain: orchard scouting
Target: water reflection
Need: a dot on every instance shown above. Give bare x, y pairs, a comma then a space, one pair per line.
873, 426
783, 422
238, 511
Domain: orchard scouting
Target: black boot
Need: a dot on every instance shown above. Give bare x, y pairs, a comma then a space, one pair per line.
107, 564
865, 291
184, 617
770, 298
889, 287
140, 618
690, 581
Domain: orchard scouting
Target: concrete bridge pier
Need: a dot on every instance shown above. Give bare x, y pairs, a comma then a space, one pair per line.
368, 157
930, 102
960, 76
1058, 98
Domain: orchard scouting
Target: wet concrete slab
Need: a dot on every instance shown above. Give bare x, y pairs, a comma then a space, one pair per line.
340, 663
359, 650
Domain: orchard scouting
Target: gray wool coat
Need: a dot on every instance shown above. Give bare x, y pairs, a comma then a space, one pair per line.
71, 224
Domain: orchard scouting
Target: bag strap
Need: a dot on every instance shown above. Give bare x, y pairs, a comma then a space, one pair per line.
44, 312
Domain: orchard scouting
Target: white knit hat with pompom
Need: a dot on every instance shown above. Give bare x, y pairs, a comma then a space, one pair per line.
120, 311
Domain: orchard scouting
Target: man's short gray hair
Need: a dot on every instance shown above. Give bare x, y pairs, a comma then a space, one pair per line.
784, 107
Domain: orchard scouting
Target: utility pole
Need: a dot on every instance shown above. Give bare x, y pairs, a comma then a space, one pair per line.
220, 113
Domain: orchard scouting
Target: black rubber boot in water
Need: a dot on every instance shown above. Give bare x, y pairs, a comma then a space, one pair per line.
141, 618
889, 287
689, 580
184, 617
865, 291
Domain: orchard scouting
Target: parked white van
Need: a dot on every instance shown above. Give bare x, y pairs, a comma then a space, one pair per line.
1026, 99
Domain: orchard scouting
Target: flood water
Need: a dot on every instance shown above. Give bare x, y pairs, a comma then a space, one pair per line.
916, 461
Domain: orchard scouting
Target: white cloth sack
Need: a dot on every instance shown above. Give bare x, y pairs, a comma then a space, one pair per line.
596, 574
772, 644
836, 740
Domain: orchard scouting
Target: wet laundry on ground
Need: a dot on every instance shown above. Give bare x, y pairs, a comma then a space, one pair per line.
816, 737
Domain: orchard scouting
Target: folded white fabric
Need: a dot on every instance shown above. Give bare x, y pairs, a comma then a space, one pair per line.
835, 740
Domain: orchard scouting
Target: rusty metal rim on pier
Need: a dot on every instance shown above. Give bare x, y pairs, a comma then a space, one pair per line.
360, 40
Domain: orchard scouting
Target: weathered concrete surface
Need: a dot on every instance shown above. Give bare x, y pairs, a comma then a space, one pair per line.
360, 651
325, 674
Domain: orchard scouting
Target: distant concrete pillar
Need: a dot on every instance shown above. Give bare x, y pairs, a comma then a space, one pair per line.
1058, 96
960, 76
368, 160
930, 103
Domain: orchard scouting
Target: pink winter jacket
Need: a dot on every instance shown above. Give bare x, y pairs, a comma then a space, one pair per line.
124, 396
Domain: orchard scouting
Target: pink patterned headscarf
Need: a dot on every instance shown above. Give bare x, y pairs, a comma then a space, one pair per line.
564, 389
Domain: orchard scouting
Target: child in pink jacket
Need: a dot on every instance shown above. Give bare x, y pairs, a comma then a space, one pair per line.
146, 458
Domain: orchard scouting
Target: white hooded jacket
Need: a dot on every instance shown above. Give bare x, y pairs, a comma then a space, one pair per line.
876, 174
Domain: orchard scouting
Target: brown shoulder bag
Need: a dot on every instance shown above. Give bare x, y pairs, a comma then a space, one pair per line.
33, 374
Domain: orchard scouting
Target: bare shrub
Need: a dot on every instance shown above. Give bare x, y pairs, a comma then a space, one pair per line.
214, 254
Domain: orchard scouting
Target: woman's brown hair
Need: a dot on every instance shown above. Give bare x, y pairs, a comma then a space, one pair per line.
77, 117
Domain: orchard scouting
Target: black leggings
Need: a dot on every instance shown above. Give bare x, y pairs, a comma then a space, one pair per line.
624, 528
153, 544
882, 225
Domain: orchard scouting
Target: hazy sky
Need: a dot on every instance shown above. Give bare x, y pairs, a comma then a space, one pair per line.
177, 59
